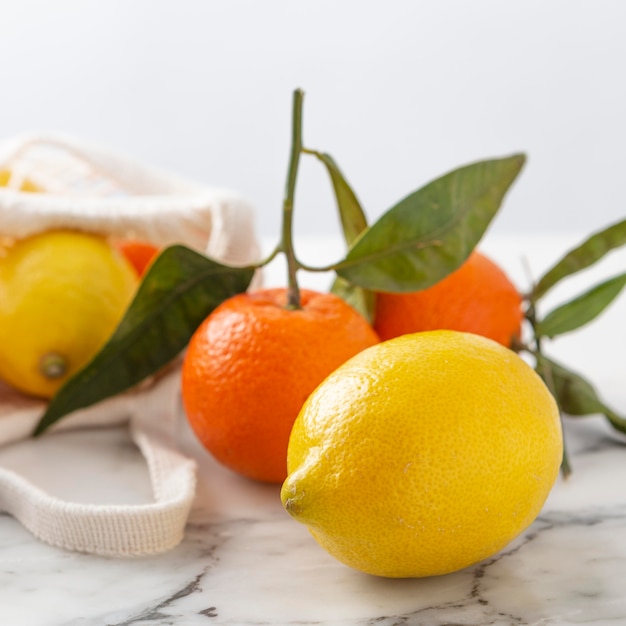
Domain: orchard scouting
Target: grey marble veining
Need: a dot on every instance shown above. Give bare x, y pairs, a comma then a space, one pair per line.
244, 562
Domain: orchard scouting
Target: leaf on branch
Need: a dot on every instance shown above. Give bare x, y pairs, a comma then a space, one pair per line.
431, 232
363, 300
353, 223
574, 394
179, 290
581, 310
353, 220
583, 256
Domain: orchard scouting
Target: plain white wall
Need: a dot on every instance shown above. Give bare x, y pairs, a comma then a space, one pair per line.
398, 92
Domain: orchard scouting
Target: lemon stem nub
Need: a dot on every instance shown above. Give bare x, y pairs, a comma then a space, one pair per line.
53, 365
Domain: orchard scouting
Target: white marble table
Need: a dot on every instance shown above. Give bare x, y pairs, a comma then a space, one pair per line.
244, 561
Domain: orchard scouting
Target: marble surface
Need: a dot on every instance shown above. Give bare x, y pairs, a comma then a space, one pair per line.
244, 561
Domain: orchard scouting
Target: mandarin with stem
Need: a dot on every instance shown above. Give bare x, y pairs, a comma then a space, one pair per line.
251, 365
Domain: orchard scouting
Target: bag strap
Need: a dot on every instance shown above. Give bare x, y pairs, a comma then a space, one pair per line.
163, 209
118, 530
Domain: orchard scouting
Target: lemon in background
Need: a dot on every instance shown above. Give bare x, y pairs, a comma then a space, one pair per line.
23, 185
62, 293
423, 454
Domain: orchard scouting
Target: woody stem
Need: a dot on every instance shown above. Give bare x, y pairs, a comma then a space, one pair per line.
293, 291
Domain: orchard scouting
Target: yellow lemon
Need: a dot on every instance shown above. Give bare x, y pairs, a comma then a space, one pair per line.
62, 293
25, 184
423, 454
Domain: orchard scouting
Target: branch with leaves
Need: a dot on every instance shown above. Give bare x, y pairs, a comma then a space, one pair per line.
416, 243
575, 395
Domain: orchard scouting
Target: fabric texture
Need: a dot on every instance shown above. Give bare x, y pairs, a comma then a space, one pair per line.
86, 187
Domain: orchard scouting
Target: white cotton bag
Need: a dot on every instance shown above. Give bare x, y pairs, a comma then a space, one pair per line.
86, 187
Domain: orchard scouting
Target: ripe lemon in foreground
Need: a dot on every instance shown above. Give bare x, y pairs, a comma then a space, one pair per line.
423, 454
62, 293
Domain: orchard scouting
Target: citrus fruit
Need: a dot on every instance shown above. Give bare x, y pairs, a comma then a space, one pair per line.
477, 298
252, 363
24, 185
139, 253
61, 295
423, 454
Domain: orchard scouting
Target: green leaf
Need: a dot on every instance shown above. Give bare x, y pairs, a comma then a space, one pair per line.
431, 232
353, 223
363, 300
583, 256
179, 290
581, 310
353, 220
575, 395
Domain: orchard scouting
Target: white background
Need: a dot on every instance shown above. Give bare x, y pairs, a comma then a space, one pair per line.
398, 92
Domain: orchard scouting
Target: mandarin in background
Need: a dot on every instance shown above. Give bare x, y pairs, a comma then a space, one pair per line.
139, 253
478, 298
253, 362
